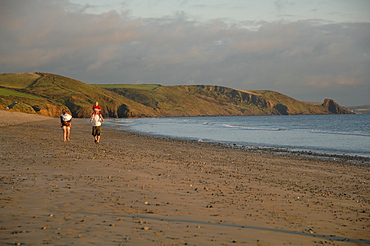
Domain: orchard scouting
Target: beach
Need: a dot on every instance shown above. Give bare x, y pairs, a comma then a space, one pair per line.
133, 189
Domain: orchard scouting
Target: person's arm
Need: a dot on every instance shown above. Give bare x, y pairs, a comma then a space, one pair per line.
101, 118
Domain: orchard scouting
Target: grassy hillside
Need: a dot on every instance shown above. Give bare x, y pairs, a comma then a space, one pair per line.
148, 87
18, 80
47, 94
7, 92
202, 100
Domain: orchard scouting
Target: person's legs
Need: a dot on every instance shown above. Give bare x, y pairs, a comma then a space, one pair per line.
98, 133
68, 133
94, 133
64, 133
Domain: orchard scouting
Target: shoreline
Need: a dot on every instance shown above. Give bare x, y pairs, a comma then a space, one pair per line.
14, 118
135, 189
269, 150
322, 149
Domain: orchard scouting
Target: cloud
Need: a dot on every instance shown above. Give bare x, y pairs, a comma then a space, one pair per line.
302, 59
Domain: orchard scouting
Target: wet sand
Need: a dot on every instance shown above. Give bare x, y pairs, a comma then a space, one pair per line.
138, 190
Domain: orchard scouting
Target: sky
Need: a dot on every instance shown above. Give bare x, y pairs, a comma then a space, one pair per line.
307, 49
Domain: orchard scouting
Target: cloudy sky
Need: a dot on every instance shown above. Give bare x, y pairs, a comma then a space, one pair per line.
307, 49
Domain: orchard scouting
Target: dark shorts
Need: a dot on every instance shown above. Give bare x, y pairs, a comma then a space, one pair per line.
96, 131
66, 124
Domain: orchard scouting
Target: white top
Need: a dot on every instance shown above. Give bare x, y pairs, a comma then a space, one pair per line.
66, 117
96, 119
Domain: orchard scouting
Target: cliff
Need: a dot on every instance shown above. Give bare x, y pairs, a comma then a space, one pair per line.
206, 100
47, 94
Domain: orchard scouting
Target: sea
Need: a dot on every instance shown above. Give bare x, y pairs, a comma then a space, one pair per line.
321, 135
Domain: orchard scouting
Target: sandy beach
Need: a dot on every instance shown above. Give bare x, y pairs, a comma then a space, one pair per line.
138, 190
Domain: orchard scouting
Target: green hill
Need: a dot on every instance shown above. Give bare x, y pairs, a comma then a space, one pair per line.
203, 100
47, 94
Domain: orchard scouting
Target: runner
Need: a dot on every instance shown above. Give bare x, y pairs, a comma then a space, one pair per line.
65, 120
96, 119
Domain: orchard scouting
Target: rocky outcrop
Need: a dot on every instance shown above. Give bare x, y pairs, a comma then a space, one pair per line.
240, 96
250, 98
50, 110
334, 107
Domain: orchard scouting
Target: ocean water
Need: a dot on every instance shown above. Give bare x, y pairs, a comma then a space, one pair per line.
322, 134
